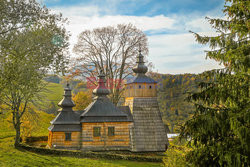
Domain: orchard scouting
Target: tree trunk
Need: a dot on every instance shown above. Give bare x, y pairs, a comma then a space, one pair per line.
172, 127
18, 133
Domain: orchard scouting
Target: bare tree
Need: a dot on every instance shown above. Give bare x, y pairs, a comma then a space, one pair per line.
112, 50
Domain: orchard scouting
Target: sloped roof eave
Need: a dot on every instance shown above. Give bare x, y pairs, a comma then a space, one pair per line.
141, 79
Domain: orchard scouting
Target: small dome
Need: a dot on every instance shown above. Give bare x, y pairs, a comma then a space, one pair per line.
101, 89
140, 67
66, 101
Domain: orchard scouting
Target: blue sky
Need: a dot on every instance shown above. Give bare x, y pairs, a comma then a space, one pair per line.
172, 49
144, 7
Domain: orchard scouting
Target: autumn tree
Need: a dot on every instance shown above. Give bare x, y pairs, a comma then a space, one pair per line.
112, 50
32, 42
82, 100
220, 127
30, 120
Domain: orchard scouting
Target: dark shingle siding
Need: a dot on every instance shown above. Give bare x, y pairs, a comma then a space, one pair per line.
127, 111
149, 132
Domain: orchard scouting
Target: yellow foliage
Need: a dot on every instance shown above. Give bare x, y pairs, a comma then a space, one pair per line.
82, 100
80, 85
30, 120
175, 155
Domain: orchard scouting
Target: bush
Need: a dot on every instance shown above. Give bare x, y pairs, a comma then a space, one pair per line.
175, 155
78, 153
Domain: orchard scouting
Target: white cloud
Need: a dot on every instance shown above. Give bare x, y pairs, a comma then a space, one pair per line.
170, 53
178, 53
199, 24
89, 17
74, 11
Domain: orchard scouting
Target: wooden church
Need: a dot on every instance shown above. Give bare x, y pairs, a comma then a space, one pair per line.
136, 127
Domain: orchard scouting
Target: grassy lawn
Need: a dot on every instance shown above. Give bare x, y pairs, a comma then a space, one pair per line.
9, 156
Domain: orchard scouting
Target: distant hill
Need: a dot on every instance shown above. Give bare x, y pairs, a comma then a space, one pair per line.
172, 92
53, 79
50, 97
54, 90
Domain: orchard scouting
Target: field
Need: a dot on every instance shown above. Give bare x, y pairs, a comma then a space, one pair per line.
52, 93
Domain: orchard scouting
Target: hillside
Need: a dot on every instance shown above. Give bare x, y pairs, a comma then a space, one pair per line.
172, 93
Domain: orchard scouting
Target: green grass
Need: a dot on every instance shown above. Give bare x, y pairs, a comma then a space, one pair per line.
52, 93
55, 92
9, 156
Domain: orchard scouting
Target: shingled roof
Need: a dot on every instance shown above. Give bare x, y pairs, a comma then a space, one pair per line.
127, 111
102, 109
141, 79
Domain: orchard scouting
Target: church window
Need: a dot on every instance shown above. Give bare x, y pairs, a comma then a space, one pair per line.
97, 131
111, 131
67, 136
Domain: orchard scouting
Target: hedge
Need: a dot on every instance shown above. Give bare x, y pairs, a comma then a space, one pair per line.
34, 139
105, 155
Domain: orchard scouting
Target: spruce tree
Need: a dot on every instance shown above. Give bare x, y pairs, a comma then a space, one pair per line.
220, 127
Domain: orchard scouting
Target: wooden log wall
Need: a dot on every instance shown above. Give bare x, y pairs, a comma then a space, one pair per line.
119, 141
141, 90
57, 140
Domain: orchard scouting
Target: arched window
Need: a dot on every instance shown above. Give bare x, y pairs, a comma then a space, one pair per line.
150, 87
139, 86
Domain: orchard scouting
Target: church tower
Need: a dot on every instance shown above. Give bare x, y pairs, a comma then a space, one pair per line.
149, 131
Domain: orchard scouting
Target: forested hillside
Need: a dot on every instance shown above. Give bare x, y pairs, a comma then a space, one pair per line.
172, 93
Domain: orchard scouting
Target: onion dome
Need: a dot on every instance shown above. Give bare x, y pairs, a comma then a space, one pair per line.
140, 67
140, 71
101, 89
66, 101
